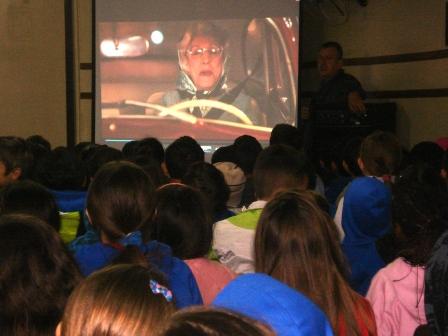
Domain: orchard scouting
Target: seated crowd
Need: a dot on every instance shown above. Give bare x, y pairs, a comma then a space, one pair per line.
261, 241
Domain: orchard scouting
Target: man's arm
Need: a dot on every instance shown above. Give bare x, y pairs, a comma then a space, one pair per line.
355, 102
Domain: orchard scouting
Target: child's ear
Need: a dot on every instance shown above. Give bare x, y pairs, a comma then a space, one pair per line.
361, 165
58, 329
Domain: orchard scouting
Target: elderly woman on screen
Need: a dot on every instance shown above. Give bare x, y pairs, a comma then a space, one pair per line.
203, 54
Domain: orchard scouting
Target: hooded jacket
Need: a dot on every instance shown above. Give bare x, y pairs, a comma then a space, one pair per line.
266, 299
92, 257
365, 218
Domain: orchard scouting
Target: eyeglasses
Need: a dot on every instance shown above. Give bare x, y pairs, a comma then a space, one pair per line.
199, 52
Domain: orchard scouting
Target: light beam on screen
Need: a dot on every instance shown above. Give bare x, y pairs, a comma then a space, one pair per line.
157, 37
126, 47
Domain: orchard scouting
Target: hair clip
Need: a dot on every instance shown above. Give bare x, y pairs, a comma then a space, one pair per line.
157, 288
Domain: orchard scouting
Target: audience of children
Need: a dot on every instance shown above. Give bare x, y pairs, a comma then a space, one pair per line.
181, 221
118, 300
166, 234
119, 203
297, 244
211, 183
380, 157
278, 167
180, 154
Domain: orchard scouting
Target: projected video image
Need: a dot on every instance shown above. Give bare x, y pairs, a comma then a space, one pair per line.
210, 79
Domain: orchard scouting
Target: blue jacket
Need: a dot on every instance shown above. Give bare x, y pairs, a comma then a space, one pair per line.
91, 257
366, 217
266, 299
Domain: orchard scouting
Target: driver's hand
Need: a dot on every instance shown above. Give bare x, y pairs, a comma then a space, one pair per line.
355, 102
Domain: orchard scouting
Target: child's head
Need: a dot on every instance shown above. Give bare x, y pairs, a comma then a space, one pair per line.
427, 152
119, 200
209, 321
37, 275
235, 180
380, 154
419, 214
150, 148
118, 300
15, 159
181, 154
99, 156
279, 167
246, 149
297, 243
180, 220
210, 181
288, 135
62, 169
30, 198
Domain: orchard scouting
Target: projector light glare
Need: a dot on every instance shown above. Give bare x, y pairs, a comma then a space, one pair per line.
157, 37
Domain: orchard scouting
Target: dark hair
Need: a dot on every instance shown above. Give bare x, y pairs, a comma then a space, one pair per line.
224, 154
209, 321
279, 167
210, 181
181, 154
61, 169
153, 168
288, 135
129, 148
181, 221
30, 198
420, 215
246, 149
151, 148
99, 156
381, 153
37, 276
84, 149
427, 152
335, 45
119, 199
298, 244
15, 154
117, 300
350, 155
40, 141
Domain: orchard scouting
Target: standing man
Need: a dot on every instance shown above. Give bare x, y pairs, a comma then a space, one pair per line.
337, 89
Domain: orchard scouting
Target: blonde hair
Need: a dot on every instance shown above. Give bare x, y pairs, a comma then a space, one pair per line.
117, 301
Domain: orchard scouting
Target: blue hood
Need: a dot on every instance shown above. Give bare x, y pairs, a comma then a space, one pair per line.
366, 217
268, 300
